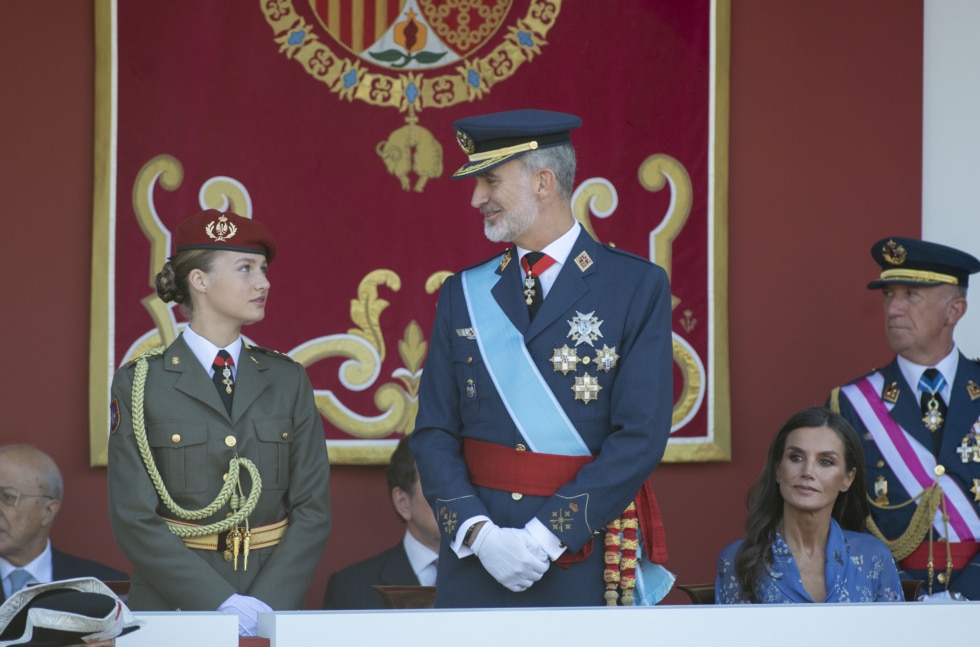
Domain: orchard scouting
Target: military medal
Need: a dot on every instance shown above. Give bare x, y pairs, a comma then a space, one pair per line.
606, 358
976, 490
529, 291
969, 449
565, 359
586, 388
881, 491
933, 419
584, 328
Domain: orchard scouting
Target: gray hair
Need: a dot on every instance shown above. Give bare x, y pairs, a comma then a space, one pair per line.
560, 159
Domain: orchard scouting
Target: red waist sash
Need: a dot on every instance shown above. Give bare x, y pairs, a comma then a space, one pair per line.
961, 552
511, 470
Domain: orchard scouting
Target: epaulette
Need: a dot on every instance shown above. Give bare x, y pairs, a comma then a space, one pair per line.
622, 252
500, 257
150, 353
269, 351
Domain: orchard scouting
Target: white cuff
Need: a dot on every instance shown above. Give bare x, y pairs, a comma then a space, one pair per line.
457, 545
551, 544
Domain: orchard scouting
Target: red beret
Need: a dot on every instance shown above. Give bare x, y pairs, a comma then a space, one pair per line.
213, 229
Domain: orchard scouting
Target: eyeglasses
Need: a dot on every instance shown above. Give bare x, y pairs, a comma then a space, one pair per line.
10, 496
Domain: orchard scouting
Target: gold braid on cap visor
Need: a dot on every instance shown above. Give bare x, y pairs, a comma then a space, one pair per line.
489, 158
918, 276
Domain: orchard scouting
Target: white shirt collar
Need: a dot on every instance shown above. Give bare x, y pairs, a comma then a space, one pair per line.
205, 351
420, 557
947, 366
558, 249
40, 569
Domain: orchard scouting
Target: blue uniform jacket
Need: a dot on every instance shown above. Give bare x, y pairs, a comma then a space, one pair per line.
626, 427
963, 412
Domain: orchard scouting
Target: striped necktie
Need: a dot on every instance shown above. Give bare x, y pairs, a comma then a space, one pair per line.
933, 406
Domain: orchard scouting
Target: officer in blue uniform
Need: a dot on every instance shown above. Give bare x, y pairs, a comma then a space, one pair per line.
546, 398
919, 419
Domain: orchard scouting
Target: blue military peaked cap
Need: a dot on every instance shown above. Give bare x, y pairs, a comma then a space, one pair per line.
490, 140
908, 261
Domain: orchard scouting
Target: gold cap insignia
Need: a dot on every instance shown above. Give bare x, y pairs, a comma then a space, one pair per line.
465, 142
893, 253
221, 229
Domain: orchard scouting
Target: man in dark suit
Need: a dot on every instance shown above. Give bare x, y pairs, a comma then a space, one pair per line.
546, 397
31, 489
411, 562
919, 420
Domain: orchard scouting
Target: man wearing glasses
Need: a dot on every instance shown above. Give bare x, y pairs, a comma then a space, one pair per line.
30, 498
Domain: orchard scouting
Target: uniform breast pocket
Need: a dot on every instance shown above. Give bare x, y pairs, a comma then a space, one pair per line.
180, 449
471, 379
275, 443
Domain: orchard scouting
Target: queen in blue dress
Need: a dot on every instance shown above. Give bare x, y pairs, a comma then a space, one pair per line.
805, 531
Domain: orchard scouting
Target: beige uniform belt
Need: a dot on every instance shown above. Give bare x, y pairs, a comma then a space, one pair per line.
260, 536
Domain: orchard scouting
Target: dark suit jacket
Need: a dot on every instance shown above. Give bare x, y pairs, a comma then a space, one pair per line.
67, 567
350, 588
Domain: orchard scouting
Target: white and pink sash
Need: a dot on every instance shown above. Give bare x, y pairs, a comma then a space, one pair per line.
914, 465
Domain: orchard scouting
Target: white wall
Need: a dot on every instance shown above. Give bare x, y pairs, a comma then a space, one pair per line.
951, 140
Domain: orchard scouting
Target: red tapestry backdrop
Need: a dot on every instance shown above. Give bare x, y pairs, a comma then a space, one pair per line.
331, 121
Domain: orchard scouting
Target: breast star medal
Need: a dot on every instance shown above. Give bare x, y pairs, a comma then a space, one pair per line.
586, 388
584, 328
565, 359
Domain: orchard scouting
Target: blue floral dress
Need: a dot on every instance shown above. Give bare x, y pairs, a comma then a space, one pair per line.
859, 568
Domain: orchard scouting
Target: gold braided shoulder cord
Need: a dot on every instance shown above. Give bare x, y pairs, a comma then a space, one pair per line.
227, 492
921, 522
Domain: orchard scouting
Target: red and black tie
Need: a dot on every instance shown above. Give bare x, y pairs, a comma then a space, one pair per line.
534, 264
223, 378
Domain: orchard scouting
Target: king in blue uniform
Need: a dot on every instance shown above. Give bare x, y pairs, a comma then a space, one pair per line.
919, 419
546, 397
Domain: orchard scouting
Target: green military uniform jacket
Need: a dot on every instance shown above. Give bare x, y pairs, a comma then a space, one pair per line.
274, 423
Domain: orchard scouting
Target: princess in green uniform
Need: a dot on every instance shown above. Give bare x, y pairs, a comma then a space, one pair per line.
218, 472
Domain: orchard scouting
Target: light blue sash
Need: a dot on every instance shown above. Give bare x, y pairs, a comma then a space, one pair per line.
528, 398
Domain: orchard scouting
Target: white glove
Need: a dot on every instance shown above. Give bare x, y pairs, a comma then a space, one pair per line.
247, 609
511, 555
942, 596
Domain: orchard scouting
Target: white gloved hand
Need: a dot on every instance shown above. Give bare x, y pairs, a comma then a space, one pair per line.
247, 609
511, 555
942, 596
